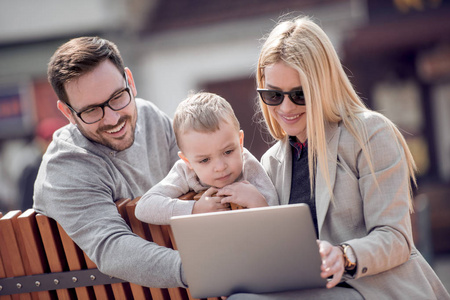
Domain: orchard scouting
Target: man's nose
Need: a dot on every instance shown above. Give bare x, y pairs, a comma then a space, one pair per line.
111, 117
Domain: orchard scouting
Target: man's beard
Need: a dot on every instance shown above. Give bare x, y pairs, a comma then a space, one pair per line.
120, 144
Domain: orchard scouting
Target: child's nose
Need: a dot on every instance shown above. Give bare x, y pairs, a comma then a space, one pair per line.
220, 165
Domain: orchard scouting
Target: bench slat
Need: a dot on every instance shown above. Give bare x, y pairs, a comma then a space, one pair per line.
33, 250
54, 252
122, 290
145, 231
102, 292
139, 229
3, 275
12, 260
2, 270
75, 262
139, 292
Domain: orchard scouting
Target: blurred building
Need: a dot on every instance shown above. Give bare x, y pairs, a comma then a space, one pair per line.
400, 63
397, 53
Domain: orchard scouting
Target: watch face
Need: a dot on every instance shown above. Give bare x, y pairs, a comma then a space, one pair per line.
350, 254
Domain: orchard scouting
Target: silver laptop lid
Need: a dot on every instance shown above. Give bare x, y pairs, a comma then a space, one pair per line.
260, 250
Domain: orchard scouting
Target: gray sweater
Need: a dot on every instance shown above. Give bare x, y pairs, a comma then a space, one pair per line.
160, 203
79, 181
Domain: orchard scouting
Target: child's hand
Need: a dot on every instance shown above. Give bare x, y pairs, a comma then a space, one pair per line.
242, 193
209, 203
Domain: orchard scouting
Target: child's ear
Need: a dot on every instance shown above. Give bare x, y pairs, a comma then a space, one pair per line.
184, 158
241, 139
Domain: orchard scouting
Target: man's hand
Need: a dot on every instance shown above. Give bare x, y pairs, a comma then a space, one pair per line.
209, 203
242, 193
332, 262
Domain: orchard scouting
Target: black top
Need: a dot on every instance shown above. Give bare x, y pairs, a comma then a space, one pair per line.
300, 186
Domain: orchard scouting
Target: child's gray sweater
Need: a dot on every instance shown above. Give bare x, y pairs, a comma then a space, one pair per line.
161, 202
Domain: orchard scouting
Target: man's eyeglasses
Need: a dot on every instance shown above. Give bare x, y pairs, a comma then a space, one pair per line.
95, 113
275, 97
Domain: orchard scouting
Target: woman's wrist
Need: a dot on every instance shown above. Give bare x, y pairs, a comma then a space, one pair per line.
350, 262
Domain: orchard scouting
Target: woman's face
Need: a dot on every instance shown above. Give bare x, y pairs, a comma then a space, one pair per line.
290, 116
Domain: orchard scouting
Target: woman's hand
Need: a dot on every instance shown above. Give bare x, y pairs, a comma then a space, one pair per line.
209, 203
332, 262
242, 193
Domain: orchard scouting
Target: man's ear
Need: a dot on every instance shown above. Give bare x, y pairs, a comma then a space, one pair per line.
131, 81
241, 139
184, 158
65, 111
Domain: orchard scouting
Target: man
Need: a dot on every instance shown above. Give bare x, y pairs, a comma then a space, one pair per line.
116, 146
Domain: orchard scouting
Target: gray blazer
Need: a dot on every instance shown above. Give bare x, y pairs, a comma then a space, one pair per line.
373, 218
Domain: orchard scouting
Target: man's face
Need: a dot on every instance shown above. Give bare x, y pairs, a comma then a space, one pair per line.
116, 129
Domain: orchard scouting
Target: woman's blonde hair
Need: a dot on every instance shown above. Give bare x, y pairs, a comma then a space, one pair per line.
303, 45
202, 112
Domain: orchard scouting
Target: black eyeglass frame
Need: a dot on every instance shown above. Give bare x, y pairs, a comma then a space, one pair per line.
290, 93
106, 103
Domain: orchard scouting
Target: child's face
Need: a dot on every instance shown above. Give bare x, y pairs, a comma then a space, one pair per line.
216, 157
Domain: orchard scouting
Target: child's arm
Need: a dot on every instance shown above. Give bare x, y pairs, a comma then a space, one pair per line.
161, 202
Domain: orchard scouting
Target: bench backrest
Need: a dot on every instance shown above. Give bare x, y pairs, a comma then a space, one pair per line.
38, 260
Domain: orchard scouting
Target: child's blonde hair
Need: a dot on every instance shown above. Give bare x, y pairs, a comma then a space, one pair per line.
202, 112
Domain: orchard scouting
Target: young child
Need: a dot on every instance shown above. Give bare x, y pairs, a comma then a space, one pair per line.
212, 158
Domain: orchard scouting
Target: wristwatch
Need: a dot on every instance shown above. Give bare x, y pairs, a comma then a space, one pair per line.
349, 257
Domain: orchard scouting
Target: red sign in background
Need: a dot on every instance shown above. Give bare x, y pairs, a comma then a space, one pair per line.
23, 105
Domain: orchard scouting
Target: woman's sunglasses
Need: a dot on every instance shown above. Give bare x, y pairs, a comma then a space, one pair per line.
274, 97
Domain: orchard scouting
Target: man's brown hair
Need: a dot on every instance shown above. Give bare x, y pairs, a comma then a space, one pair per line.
78, 57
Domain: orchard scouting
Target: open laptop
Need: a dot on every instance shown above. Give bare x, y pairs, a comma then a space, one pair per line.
260, 250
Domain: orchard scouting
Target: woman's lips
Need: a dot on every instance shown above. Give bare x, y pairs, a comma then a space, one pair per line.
291, 118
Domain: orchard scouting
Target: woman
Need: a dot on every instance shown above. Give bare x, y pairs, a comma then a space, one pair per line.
350, 164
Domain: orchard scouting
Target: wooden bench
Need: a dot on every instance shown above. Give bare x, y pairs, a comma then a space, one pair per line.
38, 260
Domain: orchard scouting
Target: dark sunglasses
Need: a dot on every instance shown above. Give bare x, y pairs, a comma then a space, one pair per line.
274, 97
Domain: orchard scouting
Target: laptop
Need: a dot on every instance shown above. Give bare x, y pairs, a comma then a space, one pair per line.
259, 250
